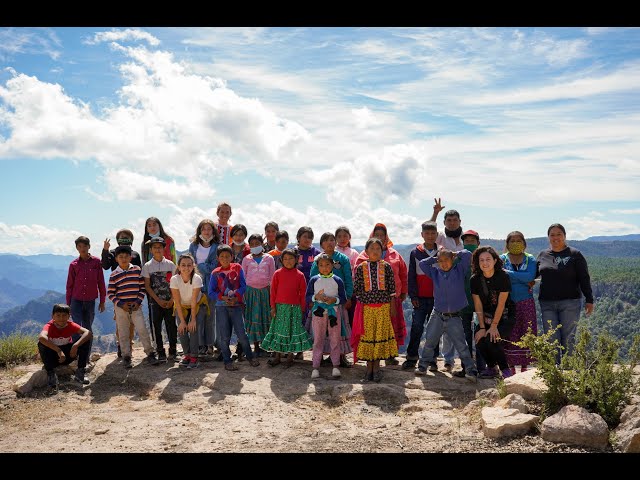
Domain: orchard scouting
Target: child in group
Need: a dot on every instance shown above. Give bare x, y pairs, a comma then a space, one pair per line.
306, 255
342, 268
326, 291
471, 241
421, 294
373, 338
399, 268
343, 240
224, 229
282, 241
203, 248
56, 345
126, 291
491, 291
270, 231
153, 229
239, 247
258, 269
306, 251
191, 307
157, 273
227, 285
123, 237
85, 282
449, 299
286, 333
521, 268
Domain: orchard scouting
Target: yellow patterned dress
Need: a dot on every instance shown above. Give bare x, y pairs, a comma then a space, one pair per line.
373, 337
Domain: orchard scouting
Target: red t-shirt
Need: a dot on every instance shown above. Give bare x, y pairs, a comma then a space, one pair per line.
61, 336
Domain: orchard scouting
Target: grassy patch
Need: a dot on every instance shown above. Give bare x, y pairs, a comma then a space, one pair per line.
17, 348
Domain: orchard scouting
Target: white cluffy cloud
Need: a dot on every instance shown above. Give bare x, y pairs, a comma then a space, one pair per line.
584, 227
123, 36
168, 122
34, 239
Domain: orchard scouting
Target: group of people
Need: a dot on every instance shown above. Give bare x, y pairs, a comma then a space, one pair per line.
283, 301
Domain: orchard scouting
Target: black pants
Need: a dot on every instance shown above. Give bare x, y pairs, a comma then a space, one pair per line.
157, 315
51, 360
493, 352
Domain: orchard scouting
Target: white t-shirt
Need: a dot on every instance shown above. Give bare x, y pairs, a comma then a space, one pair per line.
186, 288
202, 253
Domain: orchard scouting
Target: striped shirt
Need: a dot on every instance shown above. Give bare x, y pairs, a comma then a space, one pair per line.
126, 286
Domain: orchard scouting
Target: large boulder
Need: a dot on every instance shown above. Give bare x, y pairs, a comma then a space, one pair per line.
627, 435
574, 425
38, 379
498, 422
513, 400
526, 384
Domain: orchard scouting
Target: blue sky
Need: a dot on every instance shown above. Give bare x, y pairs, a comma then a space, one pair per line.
516, 128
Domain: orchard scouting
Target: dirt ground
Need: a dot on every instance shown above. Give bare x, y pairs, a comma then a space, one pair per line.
255, 409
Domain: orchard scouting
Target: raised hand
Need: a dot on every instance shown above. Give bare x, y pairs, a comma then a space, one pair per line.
437, 207
107, 244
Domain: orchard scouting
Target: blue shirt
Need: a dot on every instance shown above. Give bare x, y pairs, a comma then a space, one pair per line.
521, 277
448, 287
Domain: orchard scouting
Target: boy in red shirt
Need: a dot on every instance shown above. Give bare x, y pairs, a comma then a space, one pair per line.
56, 345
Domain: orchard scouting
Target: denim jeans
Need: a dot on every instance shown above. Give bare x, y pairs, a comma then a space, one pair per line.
82, 313
438, 325
565, 313
207, 332
188, 340
448, 350
228, 318
418, 319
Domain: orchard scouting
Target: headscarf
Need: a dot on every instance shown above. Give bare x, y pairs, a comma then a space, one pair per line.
382, 226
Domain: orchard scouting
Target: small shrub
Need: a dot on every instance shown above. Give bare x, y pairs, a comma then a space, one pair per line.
17, 348
592, 376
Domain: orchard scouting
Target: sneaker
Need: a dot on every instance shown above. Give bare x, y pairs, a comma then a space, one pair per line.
472, 375
52, 379
126, 362
230, 367
152, 359
326, 361
506, 373
421, 371
458, 373
315, 373
433, 367
344, 363
448, 367
209, 350
408, 365
335, 373
119, 352
172, 357
80, 378
162, 356
488, 373
391, 361
193, 363
185, 361
254, 362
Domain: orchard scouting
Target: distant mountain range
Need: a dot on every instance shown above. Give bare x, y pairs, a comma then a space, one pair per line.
626, 238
